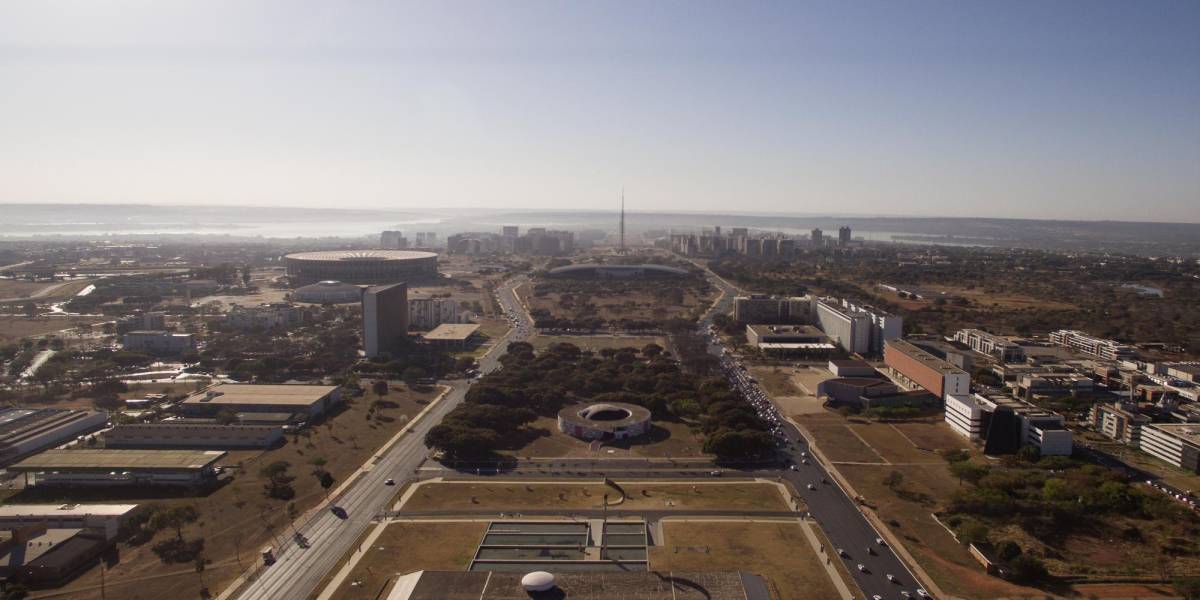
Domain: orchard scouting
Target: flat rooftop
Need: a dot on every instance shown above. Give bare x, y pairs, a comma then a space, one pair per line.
769, 330
64, 510
1187, 431
452, 332
268, 394
105, 459
924, 357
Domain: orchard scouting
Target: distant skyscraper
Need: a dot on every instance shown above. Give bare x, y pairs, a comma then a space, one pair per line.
843, 235
818, 238
385, 317
622, 220
393, 240
511, 231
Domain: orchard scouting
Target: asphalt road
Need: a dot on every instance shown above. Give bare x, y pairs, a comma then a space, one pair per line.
297, 571
837, 513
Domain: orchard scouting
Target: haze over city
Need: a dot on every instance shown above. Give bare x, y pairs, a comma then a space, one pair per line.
599, 300
1074, 110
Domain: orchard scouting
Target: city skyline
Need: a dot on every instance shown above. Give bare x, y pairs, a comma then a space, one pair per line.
1064, 111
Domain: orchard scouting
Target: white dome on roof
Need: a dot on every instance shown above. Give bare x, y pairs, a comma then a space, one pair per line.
537, 581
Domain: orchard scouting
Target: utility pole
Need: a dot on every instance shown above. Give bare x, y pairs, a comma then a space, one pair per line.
622, 221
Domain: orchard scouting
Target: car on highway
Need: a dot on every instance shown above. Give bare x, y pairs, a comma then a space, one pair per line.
339, 512
842, 553
862, 568
876, 597
922, 593
891, 578
812, 487
715, 473
880, 541
268, 555
389, 481
792, 467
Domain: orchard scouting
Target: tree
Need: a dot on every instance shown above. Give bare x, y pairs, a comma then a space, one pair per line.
326, 480
1028, 569
893, 480
379, 387
969, 471
278, 480
1188, 587
174, 518
1008, 550
412, 375
1029, 453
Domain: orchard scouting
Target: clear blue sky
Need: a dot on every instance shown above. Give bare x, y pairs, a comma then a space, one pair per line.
1019, 109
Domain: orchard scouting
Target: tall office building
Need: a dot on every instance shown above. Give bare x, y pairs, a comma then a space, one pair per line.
385, 317
511, 231
393, 240
818, 237
843, 235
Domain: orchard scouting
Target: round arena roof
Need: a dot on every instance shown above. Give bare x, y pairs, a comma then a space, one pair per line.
332, 292
362, 255
365, 267
606, 416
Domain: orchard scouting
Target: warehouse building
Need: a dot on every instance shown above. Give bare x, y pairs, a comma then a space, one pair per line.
25, 431
40, 556
107, 518
192, 435
90, 467
915, 366
308, 400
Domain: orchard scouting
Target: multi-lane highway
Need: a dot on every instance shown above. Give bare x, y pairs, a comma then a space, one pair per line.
838, 514
297, 571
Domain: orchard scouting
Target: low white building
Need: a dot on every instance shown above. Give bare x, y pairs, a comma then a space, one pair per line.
971, 417
158, 342
1175, 443
104, 517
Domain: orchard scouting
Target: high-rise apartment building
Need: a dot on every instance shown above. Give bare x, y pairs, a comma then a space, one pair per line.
843, 235
818, 237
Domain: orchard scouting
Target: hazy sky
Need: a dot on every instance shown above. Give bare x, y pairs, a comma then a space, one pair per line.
1025, 109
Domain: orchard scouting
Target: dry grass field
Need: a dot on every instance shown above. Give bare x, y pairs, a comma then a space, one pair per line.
516, 496
667, 440
404, 548
15, 328
779, 552
238, 519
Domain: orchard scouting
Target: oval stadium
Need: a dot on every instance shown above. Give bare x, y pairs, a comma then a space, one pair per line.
361, 267
605, 421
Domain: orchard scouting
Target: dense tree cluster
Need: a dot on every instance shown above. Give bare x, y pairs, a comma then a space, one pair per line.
580, 303
499, 408
1052, 498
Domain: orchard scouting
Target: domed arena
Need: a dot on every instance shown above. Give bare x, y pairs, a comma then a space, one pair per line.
363, 267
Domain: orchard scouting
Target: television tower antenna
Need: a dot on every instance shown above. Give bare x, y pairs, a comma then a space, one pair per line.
622, 220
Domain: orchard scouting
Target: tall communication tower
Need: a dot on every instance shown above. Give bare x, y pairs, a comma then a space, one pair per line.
622, 220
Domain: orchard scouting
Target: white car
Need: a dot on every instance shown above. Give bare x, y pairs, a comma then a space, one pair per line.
922, 593
862, 568
841, 552
812, 487
891, 578
880, 541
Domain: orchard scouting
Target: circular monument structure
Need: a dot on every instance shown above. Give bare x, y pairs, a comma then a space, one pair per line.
328, 292
361, 267
605, 421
